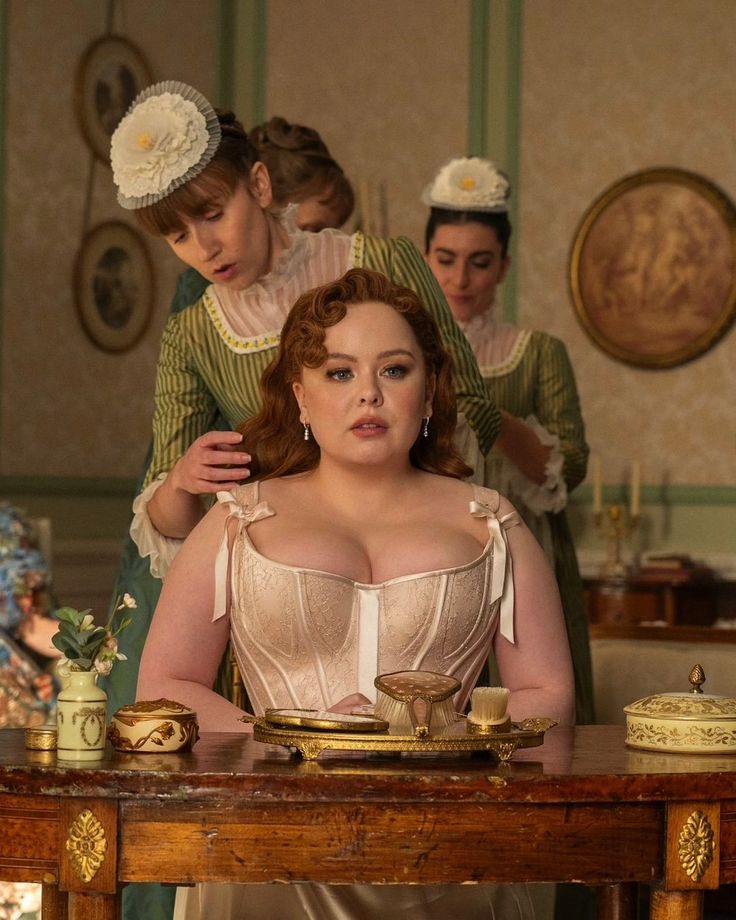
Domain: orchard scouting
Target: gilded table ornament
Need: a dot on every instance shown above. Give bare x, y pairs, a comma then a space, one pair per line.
86, 845
41, 738
323, 719
455, 739
695, 845
689, 722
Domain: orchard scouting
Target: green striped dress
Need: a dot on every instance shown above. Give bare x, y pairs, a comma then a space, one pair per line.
536, 378
201, 375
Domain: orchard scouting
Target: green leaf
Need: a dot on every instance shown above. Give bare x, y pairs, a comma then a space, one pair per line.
71, 615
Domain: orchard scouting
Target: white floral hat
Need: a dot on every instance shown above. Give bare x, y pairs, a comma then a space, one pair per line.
167, 137
469, 184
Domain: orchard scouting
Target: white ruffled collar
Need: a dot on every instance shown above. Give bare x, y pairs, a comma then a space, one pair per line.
287, 263
492, 342
251, 319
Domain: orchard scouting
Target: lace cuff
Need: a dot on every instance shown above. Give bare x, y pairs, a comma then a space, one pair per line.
466, 444
551, 495
147, 538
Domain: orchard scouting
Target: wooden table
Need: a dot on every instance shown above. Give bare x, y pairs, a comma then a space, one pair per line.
583, 807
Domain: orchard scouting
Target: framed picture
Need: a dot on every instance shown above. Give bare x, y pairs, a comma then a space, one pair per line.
110, 75
114, 286
653, 268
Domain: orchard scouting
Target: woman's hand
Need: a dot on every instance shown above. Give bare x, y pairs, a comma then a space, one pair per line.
37, 632
349, 703
522, 446
212, 464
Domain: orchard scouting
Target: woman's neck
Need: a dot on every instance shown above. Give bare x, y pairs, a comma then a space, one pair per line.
359, 487
278, 240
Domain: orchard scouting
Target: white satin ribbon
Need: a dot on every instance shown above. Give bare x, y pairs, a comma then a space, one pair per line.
245, 516
502, 578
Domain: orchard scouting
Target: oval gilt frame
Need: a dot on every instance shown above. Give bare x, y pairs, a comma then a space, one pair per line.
653, 268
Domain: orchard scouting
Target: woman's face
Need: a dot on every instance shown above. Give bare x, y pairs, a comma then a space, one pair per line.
365, 404
318, 212
467, 261
230, 243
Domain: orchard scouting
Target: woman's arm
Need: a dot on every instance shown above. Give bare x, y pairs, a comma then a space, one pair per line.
522, 446
536, 667
401, 261
184, 647
557, 407
557, 410
196, 458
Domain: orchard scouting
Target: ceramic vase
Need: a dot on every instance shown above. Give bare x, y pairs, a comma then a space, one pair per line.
81, 717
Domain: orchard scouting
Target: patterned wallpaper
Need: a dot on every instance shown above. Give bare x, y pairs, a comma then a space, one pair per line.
68, 408
623, 87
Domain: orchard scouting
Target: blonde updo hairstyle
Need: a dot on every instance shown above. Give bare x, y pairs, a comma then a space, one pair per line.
275, 436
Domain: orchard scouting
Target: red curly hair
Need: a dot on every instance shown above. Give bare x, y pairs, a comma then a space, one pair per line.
274, 436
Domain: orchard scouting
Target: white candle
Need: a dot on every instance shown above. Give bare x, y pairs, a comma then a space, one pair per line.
635, 486
597, 486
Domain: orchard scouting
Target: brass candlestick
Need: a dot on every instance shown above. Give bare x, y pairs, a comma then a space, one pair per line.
618, 526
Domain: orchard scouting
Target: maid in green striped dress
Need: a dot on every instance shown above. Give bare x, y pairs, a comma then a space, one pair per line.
190, 175
540, 454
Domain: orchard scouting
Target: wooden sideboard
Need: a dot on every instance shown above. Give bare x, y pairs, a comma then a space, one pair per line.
689, 600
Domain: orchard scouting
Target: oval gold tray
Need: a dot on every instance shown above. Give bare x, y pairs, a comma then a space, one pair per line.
455, 739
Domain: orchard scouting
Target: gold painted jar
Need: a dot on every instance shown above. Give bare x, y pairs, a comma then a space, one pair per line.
154, 727
691, 722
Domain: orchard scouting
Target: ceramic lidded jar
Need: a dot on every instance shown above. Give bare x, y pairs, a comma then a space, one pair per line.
154, 726
688, 722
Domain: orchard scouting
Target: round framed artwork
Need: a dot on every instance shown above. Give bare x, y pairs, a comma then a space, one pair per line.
653, 268
110, 75
114, 286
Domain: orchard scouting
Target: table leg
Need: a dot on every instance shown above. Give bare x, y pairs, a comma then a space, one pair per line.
676, 905
53, 903
616, 902
94, 906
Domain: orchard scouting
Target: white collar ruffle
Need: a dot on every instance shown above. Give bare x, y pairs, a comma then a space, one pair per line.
251, 319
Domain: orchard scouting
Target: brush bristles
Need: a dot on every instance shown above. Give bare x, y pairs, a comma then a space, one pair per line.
488, 705
398, 714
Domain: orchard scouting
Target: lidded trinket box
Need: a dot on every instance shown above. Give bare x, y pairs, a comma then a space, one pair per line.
154, 727
687, 722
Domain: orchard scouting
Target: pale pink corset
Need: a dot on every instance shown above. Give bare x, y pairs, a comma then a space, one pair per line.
307, 639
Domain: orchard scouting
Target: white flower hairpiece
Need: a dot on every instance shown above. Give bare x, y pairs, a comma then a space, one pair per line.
469, 184
168, 136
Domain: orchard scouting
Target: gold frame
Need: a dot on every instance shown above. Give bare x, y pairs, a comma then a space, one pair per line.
115, 65
669, 266
114, 260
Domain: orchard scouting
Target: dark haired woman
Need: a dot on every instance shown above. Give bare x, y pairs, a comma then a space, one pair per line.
540, 454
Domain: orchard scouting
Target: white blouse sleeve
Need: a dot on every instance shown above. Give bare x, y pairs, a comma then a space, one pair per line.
551, 495
147, 538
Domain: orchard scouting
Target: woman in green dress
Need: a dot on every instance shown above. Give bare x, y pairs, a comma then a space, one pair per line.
540, 454
191, 176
